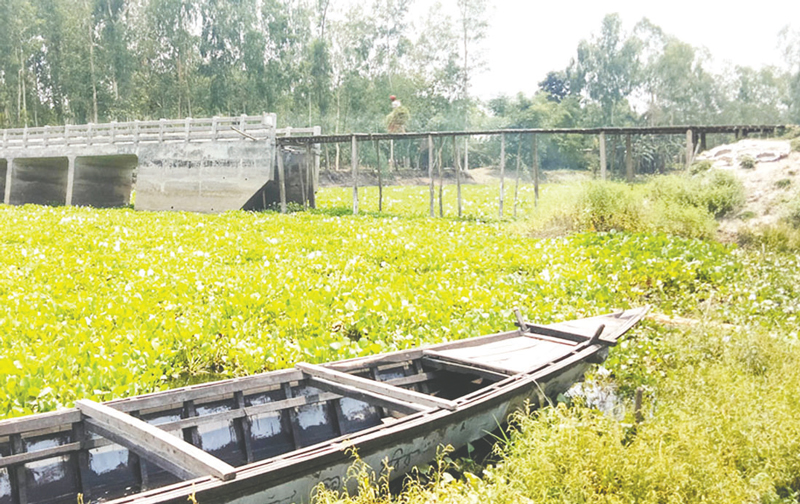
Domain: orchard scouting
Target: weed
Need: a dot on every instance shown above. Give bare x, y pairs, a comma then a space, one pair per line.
747, 162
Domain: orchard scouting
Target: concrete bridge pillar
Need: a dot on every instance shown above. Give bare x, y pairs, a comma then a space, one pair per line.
5, 181
70, 178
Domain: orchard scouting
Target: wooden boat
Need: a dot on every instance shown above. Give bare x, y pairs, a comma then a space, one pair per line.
271, 438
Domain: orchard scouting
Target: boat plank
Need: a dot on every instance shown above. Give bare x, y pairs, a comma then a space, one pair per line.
461, 368
367, 396
39, 422
204, 392
382, 388
150, 441
469, 362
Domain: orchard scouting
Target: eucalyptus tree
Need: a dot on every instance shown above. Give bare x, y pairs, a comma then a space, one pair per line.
473, 26
607, 67
790, 44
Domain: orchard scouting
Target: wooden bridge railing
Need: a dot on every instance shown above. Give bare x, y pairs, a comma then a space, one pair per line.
212, 129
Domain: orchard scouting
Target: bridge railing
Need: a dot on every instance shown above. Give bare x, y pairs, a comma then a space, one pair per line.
212, 129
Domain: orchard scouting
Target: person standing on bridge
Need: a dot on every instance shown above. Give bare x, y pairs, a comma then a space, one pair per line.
396, 121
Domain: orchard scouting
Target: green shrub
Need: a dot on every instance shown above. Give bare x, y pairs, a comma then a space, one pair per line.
793, 214
717, 191
700, 166
720, 192
682, 220
783, 183
747, 162
795, 144
606, 206
780, 237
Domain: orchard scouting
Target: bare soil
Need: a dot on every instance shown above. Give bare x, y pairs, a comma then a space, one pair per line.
769, 187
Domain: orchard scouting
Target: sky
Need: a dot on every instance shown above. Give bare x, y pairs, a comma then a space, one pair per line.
527, 39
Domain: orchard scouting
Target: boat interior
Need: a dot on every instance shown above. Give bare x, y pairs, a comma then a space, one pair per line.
110, 450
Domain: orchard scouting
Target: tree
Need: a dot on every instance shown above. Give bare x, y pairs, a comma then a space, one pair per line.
556, 85
790, 43
607, 66
473, 26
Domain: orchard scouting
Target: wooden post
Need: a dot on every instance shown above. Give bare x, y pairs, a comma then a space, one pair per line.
281, 177
309, 176
302, 184
689, 148
629, 158
535, 170
392, 165
612, 155
380, 174
603, 155
354, 166
466, 154
703, 141
430, 170
441, 178
502, 171
457, 163
637, 406
516, 185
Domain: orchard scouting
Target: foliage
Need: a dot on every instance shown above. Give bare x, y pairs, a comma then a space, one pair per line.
675, 204
747, 162
700, 166
396, 121
795, 144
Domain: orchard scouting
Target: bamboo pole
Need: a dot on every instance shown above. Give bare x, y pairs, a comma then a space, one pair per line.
430, 171
603, 155
282, 177
458, 173
466, 154
689, 148
612, 156
392, 165
380, 175
629, 158
535, 170
354, 165
516, 185
441, 179
502, 171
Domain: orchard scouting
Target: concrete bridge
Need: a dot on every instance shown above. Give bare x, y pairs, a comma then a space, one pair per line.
202, 165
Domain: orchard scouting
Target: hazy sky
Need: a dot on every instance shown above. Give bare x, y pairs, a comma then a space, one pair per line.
527, 39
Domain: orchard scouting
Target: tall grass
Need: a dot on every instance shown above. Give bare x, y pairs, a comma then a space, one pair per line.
681, 205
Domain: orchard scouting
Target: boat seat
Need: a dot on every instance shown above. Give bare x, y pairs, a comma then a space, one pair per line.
379, 393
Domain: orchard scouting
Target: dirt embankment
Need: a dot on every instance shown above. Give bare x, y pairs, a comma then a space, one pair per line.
770, 186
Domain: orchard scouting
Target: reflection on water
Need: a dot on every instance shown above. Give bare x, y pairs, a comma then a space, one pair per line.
216, 435
265, 426
47, 470
107, 458
5, 486
354, 410
600, 391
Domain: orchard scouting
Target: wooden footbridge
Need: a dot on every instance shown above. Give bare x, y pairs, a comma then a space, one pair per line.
696, 140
